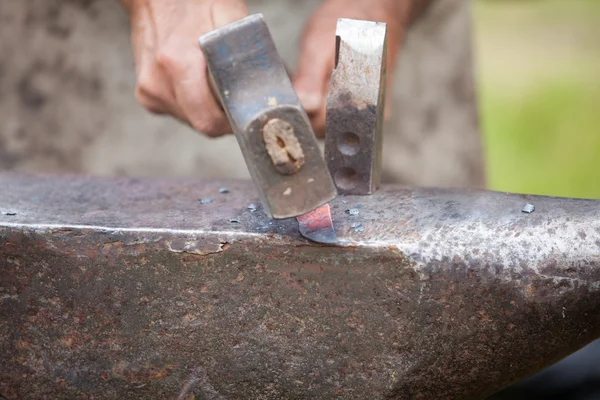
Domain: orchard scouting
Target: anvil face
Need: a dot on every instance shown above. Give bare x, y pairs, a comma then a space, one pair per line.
132, 288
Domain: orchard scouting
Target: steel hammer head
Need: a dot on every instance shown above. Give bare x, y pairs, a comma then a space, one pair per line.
271, 127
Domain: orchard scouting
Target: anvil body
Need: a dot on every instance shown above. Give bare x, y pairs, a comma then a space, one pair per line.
132, 288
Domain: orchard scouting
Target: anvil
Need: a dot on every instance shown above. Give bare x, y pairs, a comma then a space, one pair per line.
132, 288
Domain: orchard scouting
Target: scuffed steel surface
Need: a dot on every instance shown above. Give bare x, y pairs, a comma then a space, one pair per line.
115, 289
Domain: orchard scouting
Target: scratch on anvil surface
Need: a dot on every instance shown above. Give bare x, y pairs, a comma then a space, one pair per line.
113, 230
186, 241
195, 246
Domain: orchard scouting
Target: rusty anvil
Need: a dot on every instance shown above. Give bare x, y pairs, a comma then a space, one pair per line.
131, 288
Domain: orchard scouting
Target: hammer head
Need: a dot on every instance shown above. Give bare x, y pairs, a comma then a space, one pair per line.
271, 127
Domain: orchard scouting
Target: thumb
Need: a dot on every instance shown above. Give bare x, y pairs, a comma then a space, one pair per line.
223, 12
315, 63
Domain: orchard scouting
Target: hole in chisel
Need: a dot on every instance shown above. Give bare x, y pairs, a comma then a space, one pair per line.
348, 143
346, 178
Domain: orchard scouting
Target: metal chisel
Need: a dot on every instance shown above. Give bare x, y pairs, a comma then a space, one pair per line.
355, 106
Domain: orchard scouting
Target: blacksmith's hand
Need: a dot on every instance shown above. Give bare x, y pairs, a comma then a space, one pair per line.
317, 50
170, 69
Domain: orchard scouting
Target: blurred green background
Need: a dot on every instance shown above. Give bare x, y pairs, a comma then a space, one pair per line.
538, 67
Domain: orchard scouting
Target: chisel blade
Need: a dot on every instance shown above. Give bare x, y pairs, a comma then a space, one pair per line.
317, 225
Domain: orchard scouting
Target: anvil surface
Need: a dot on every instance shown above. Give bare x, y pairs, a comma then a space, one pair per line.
132, 288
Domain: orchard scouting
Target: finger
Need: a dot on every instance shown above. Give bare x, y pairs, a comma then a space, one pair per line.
153, 88
154, 91
316, 61
321, 31
317, 120
184, 63
193, 88
191, 80
224, 12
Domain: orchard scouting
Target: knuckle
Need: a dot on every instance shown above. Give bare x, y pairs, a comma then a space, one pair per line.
148, 102
205, 128
208, 127
167, 61
146, 87
149, 95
